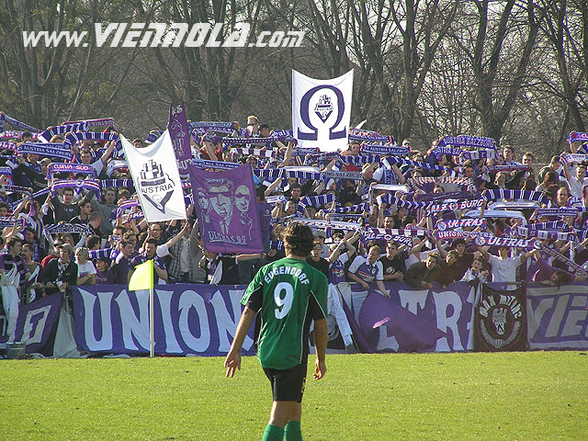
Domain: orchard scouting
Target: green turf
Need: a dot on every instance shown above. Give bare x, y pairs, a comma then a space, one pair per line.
507, 396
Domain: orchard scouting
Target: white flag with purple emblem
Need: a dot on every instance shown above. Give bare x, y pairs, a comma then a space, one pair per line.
156, 178
321, 111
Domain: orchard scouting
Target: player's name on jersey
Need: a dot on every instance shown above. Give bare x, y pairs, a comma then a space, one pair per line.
293, 271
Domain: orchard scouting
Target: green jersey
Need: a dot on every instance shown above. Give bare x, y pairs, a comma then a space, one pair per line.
290, 294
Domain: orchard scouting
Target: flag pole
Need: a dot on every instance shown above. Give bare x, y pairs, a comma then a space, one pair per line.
151, 324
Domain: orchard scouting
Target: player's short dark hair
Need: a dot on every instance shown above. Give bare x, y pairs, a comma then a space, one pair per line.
299, 238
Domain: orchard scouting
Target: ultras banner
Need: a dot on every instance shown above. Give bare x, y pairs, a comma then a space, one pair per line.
189, 319
558, 317
321, 111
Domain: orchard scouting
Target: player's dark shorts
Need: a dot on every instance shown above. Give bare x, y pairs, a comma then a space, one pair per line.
288, 384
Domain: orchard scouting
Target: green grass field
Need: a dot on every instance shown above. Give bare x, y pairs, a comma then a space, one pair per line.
478, 396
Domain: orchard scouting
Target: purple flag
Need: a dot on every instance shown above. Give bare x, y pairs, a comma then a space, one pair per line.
226, 206
413, 333
177, 126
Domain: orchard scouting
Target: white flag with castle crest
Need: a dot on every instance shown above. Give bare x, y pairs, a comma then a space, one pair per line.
156, 178
321, 111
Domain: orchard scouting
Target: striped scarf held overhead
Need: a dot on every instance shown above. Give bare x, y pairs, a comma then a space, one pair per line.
527, 195
315, 201
78, 185
4, 118
60, 130
391, 160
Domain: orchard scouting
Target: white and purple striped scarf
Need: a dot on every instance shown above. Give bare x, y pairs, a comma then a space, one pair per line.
391, 160
60, 130
113, 183
78, 185
255, 152
460, 223
315, 201
126, 205
73, 138
369, 136
577, 136
527, 195
351, 209
333, 174
557, 212
507, 167
508, 242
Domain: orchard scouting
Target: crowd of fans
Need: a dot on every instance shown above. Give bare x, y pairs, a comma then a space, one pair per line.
377, 216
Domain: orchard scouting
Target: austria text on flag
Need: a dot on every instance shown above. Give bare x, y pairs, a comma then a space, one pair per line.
177, 126
321, 111
226, 206
156, 179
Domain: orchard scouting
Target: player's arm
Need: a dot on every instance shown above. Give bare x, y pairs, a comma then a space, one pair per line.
321, 333
233, 360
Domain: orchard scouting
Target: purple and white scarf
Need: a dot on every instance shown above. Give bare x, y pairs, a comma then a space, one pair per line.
453, 195
96, 122
67, 228
359, 159
303, 151
221, 165
73, 138
332, 174
255, 152
507, 167
7, 145
16, 134
391, 160
58, 167
544, 234
8, 221
461, 234
126, 205
508, 242
557, 212
454, 206
351, 209
467, 141
527, 195
78, 185
568, 158
315, 201
577, 136
369, 136
559, 256
382, 149
113, 183
60, 130
443, 225
16, 123
51, 150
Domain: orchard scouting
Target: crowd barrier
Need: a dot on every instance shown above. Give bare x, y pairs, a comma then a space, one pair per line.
201, 319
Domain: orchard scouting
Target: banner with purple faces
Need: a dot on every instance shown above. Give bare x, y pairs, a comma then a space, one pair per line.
178, 131
226, 206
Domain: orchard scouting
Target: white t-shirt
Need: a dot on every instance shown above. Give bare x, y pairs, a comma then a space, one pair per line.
86, 269
504, 270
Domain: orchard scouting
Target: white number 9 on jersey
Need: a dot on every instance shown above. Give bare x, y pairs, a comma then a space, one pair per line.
284, 303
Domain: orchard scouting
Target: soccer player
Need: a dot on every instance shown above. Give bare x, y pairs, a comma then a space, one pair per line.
289, 293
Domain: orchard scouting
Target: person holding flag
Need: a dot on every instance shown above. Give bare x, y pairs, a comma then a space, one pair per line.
288, 294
